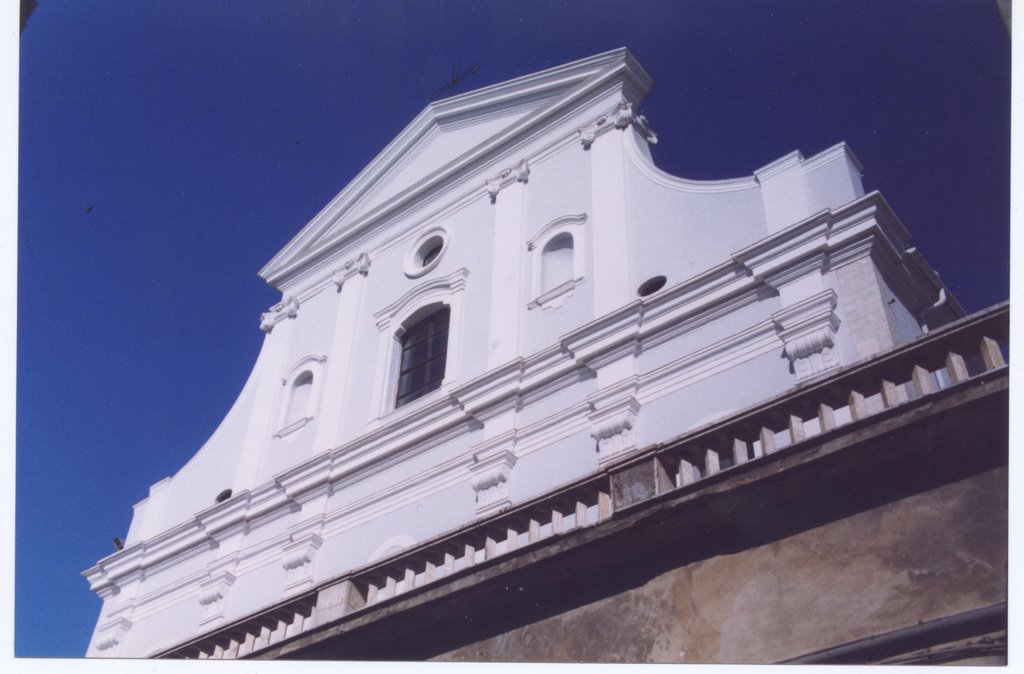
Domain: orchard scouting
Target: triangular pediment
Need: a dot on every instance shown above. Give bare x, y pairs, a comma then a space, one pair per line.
447, 136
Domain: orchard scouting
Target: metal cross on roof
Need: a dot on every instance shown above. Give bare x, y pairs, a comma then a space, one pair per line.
457, 77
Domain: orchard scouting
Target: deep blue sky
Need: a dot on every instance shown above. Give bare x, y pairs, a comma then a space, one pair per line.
169, 149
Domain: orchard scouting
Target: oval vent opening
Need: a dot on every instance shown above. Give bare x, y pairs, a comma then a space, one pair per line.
223, 496
651, 285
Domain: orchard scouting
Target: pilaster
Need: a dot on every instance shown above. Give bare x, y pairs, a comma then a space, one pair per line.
506, 263
609, 225
349, 280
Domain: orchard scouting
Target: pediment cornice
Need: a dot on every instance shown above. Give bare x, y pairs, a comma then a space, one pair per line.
557, 91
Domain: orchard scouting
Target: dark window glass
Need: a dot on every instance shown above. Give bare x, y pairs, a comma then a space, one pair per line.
424, 351
431, 254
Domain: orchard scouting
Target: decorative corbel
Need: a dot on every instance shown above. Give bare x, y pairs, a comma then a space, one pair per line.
490, 480
110, 635
297, 560
614, 428
808, 332
213, 589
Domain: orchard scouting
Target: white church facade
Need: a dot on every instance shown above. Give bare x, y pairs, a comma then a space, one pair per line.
510, 298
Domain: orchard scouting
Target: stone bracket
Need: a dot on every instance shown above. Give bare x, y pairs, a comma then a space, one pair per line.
808, 331
213, 589
613, 428
490, 474
110, 635
297, 560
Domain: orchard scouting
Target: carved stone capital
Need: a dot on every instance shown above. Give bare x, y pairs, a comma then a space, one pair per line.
645, 130
518, 173
808, 332
622, 117
280, 311
359, 265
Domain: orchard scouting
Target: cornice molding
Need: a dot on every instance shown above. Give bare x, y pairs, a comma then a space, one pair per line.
729, 286
424, 292
562, 222
568, 83
643, 163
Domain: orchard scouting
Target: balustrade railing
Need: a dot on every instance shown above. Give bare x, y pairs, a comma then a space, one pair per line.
945, 358
934, 362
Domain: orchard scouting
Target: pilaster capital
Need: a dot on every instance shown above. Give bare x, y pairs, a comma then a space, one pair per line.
620, 118
279, 312
513, 174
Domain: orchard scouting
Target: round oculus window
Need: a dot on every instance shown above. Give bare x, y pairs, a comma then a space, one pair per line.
426, 254
651, 286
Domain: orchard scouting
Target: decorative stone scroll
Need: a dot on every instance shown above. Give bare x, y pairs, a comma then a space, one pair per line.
614, 429
518, 173
620, 118
808, 331
280, 311
359, 265
490, 480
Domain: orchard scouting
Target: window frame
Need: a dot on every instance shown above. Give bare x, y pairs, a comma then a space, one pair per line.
394, 320
311, 365
426, 331
552, 298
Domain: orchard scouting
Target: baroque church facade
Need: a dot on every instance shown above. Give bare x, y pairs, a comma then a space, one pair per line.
526, 387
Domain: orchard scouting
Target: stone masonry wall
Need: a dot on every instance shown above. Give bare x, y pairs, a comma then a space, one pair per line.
925, 557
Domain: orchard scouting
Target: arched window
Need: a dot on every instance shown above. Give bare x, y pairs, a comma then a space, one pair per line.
556, 262
298, 405
424, 352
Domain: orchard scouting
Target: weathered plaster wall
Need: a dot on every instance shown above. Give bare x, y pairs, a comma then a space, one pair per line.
925, 557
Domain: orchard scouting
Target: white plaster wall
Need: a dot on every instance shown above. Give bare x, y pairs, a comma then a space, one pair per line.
833, 182
682, 232
694, 405
564, 460
405, 473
